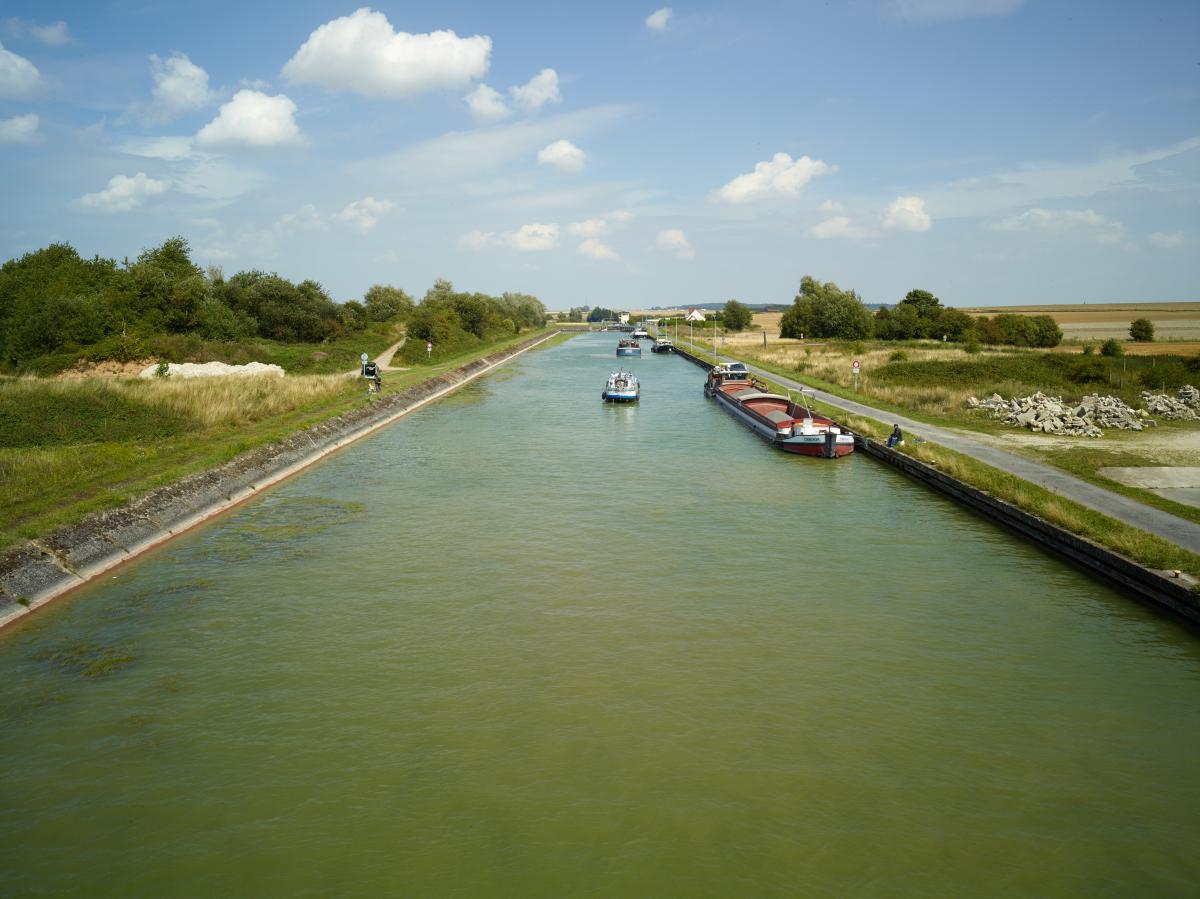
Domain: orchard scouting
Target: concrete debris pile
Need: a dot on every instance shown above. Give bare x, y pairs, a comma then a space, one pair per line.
1190, 396
1169, 408
1050, 415
212, 370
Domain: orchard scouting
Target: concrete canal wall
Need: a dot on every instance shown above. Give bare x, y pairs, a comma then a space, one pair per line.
37, 571
1145, 583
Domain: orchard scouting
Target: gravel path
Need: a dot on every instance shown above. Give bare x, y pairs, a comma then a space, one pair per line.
1170, 527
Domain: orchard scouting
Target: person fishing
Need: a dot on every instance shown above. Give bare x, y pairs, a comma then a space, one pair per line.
896, 437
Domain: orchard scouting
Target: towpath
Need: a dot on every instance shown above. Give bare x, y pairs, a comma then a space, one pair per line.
1178, 530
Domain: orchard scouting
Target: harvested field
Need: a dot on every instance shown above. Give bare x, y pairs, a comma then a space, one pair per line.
1100, 321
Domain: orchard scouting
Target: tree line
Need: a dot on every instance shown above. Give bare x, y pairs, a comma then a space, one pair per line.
53, 301
824, 310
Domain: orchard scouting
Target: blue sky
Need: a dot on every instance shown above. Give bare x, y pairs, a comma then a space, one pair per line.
620, 154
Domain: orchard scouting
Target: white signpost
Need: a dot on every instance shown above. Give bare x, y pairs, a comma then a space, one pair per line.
428, 348
855, 367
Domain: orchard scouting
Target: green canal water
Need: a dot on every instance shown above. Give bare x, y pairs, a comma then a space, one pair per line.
525, 644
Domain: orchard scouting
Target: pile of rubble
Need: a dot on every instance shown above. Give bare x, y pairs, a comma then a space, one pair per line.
1181, 409
1050, 415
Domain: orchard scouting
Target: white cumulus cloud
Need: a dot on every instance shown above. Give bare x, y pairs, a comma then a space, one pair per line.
836, 226
364, 214
22, 129
179, 87
477, 240
253, 120
782, 175
674, 241
907, 214
54, 34
18, 76
563, 155
1167, 240
533, 238
657, 20
362, 53
539, 90
588, 228
1085, 222
487, 104
124, 193
594, 249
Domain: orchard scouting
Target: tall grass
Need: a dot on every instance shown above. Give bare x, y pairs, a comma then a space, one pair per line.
217, 402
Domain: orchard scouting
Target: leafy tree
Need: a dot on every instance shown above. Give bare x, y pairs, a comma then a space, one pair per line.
825, 310
737, 316
1112, 347
1141, 329
954, 324
927, 308
384, 302
600, 314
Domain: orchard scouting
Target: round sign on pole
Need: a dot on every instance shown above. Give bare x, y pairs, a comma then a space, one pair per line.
364, 358
857, 365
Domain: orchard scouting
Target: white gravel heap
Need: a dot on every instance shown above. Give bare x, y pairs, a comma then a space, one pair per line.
1190, 396
1050, 415
212, 370
1169, 408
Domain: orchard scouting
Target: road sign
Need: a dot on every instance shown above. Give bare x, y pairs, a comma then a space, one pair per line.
856, 366
429, 348
364, 358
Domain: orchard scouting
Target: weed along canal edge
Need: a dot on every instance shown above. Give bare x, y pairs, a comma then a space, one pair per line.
36, 572
1172, 595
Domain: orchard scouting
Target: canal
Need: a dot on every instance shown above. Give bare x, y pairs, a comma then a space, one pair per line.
523, 643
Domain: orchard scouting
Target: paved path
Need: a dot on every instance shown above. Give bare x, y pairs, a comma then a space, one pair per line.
1170, 527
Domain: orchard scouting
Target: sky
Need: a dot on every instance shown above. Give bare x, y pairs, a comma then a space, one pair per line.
627, 155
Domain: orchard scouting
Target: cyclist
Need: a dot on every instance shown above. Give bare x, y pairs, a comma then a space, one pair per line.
370, 371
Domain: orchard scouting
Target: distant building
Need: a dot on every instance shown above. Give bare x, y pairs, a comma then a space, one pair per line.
624, 317
695, 315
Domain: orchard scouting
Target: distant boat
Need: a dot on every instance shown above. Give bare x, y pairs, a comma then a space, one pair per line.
626, 347
662, 345
791, 426
640, 333
622, 387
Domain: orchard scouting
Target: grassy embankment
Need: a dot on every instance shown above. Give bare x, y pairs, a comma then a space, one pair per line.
1147, 549
931, 381
69, 448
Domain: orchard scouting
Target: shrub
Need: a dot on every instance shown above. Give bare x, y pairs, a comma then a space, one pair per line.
1088, 349
1141, 329
1112, 347
973, 346
898, 356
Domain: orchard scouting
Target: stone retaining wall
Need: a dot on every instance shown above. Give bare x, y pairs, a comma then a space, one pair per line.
1154, 587
37, 571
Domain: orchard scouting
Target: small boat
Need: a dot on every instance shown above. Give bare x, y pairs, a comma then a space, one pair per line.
622, 387
627, 347
662, 345
793, 427
640, 333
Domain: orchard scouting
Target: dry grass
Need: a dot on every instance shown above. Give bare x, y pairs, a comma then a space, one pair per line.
218, 402
209, 402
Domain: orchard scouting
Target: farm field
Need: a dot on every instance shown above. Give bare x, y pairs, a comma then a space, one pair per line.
1176, 325
1100, 321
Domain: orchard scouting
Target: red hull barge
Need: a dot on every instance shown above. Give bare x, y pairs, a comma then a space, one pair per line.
791, 426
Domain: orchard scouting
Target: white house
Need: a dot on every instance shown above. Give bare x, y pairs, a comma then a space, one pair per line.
695, 315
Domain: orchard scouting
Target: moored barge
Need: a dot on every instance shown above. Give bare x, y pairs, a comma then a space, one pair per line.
793, 427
